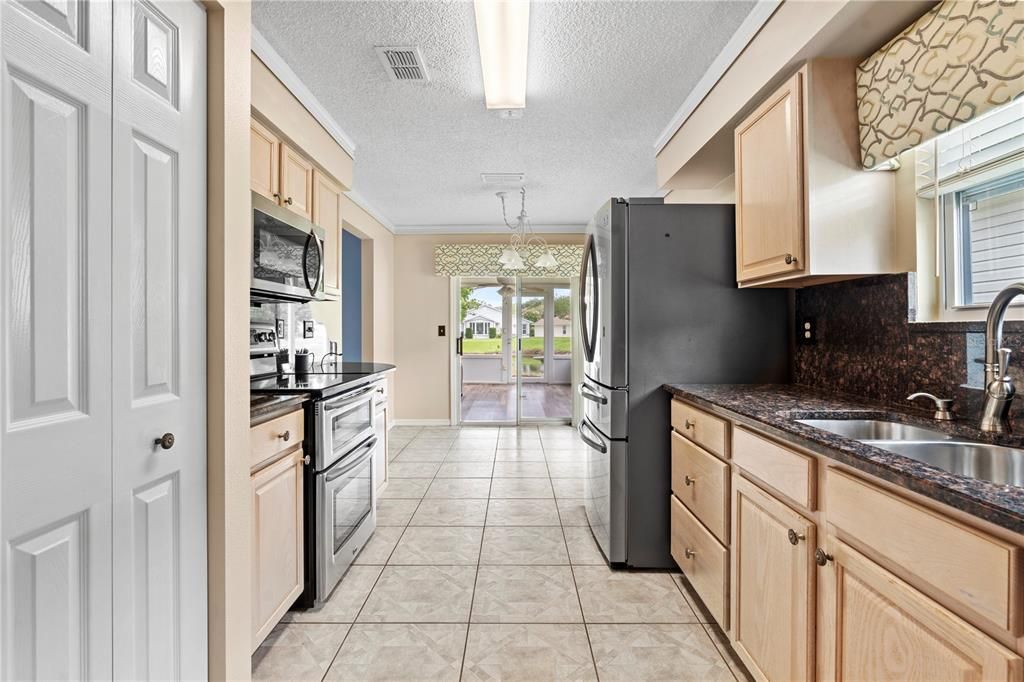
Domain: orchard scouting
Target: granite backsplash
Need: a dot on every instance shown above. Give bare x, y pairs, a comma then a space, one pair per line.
867, 346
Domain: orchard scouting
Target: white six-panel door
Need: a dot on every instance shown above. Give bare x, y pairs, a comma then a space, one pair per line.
102, 272
159, 339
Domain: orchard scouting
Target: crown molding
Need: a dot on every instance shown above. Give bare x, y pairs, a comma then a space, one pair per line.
279, 67
563, 228
362, 203
757, 18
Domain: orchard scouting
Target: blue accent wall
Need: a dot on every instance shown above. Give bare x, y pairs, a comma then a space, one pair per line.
351, 297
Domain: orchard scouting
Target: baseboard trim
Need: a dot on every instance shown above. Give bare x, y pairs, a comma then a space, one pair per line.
422, 422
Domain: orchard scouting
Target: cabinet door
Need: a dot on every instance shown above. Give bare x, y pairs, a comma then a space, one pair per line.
770, 225
773, 592
327, 214
277, 577
265, 150
883, 629
296, 182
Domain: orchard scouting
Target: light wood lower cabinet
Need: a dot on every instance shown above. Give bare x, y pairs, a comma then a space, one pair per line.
277, 576
773, 585
883, 629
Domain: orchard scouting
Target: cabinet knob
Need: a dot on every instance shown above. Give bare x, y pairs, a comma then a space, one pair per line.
165, 441
306, 460
288, 201
794, 537
821, 558
689, 553
689, 481
790, 259
277, 195
286, 436
689, 424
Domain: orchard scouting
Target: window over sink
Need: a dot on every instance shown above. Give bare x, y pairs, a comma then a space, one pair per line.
971, 181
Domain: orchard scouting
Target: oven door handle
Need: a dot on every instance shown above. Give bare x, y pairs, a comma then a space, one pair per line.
338, 472
600, 447
343, 401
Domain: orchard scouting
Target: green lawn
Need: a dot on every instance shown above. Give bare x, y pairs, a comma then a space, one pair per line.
531, 346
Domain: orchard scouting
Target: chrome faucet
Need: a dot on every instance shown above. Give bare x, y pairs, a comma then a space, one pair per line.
999, 389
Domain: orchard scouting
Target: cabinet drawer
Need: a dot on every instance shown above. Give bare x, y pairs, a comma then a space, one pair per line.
788, 472
701, 482
707, 567
977, 570
707, 430
274, 436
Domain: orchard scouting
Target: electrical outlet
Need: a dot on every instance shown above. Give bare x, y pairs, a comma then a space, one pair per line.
307, 329
440, 330
807, 331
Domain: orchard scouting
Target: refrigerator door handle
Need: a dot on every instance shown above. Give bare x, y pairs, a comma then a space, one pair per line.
586, 392
596, 445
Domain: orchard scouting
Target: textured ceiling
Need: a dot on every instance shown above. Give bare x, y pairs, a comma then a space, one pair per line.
604, 79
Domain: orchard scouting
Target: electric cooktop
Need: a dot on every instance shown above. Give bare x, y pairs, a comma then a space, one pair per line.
320, 384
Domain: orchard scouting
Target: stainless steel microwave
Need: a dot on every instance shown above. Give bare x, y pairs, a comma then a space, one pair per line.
287, 254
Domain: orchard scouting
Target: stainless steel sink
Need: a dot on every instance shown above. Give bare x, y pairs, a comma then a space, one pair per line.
875, 429
987, 462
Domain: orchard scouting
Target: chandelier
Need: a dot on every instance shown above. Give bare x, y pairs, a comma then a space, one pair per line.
522, 238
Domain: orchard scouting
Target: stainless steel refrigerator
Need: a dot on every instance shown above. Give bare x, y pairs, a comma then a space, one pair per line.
659, 304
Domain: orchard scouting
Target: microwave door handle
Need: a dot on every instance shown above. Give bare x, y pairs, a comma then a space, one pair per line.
600, 447
313, 288
368, 446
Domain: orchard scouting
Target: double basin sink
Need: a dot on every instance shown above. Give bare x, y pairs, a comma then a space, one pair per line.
984, 461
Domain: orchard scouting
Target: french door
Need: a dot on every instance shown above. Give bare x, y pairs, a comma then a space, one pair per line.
102, 279
514, 350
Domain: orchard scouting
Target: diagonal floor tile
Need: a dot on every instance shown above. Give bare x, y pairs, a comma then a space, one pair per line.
400, 651
297, 651
521, 488
474, 455
523, 545
459, 488
405, 489
465, 470
520, 469
410, 455
620, 596
572, 511
344, 603
528, 653
656, 652
569, 488
438, 545
519, 455
525, 594
583, 547
449, 512
380, 546
395, 512
413, 469
522, 513
421, 594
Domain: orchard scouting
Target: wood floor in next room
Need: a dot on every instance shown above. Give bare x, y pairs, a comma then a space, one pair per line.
483, 568
497, 402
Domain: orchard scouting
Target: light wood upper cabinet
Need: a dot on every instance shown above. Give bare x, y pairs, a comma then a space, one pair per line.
265, 149
883, 629
327, 214
296, 182
773, 585
806, 211
770, 186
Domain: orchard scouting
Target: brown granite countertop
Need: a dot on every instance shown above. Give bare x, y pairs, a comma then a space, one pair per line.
263, 408
774, 409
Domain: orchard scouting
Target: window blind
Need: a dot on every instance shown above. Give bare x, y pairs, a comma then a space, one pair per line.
993, 237
989, 147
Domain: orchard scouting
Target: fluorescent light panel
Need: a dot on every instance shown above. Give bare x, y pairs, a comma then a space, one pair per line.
502, 28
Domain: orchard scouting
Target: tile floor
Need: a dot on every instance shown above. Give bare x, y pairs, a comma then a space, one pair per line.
482, 567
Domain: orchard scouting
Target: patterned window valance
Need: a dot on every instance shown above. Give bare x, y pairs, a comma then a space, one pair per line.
956, 62
481, 260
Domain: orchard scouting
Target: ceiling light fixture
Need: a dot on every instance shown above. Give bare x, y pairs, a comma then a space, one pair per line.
523, 236
502, 29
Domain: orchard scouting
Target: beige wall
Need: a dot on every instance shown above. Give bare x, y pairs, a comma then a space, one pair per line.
422, 383
228, 226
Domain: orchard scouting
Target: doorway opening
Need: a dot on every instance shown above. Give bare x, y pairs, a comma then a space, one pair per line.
514, 350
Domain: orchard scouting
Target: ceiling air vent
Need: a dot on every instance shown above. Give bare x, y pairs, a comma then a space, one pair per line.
503, 178
403, 63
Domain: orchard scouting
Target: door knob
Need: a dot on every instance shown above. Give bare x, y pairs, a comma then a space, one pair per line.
795, 537
165, 441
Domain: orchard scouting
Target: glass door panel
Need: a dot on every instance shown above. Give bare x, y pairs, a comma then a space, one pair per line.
483, 347
545, 376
